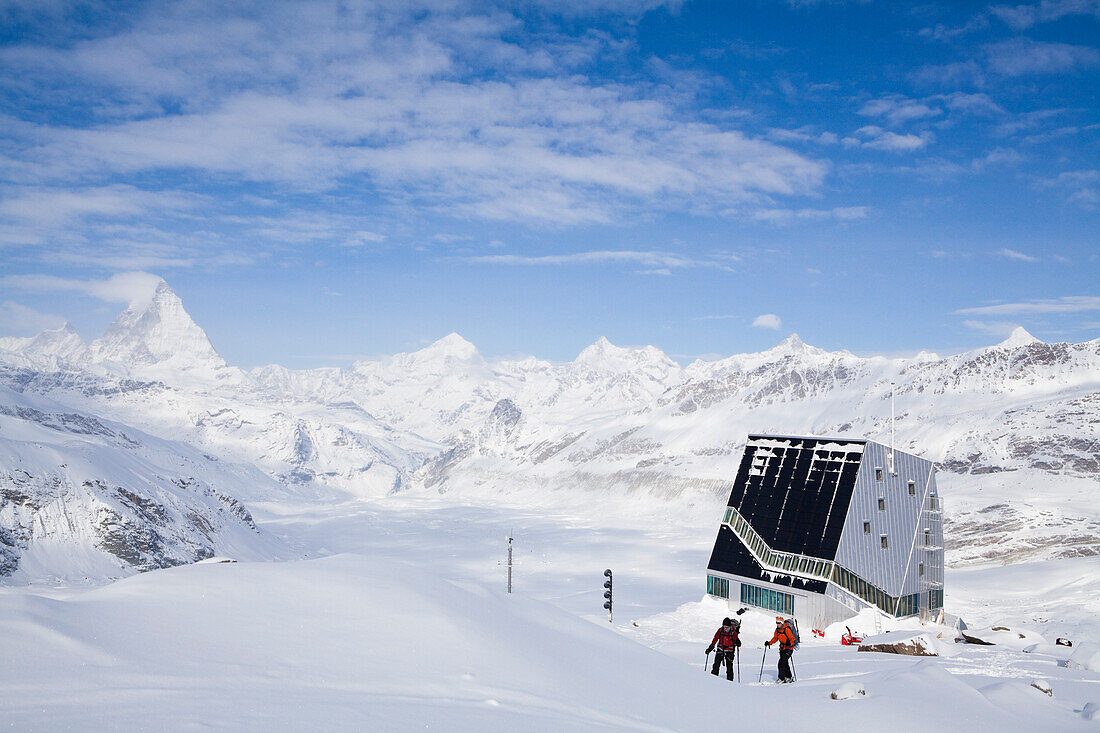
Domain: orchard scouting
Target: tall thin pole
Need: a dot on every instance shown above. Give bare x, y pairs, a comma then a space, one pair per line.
891, 428
509, 562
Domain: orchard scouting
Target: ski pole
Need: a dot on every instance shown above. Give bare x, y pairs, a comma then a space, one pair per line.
707, 663
760, 677
738, 655
794, 672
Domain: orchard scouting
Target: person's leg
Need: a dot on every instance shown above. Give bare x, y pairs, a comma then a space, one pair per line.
729, 666
784, 665
717, 663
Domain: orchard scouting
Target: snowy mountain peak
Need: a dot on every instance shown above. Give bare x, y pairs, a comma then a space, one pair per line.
452, 345
792, 345
50, 350
604, 356
157, 333
1018, 337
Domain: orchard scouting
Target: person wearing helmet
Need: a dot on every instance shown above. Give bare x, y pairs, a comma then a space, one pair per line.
785, 638
725, 642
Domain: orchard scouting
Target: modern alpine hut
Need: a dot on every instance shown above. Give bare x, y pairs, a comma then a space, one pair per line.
821, 528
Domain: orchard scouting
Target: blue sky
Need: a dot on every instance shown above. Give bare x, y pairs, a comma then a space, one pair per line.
322, 182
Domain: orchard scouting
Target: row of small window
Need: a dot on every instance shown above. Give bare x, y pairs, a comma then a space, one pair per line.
910, 485
883, 542
903, 606
718, 587
773, 600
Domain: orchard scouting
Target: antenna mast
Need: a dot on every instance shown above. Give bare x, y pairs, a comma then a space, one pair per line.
890, 455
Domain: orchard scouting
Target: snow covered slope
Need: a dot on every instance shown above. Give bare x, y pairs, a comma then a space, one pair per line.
82, 498
357, 643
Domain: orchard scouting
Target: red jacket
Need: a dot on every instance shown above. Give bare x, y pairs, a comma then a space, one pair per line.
784, 636
723, 640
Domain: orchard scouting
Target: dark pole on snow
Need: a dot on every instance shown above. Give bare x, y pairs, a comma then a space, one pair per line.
608, 593
706, 663
737, 654
760, 677
509, 563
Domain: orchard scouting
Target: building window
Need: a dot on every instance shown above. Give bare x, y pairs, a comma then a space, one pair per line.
866, 528
729, 513
718, 587
882, 541
882, 505
878, 473
933, 504
927, 538
920, 569
935, 598
912, 488
908, 605
772, 600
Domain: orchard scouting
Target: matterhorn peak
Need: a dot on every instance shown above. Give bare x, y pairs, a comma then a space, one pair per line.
1018, 337
155, 332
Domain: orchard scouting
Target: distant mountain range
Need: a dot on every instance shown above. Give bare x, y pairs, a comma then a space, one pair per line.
1015, 428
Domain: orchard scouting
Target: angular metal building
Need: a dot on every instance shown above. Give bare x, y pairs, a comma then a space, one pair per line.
821, 528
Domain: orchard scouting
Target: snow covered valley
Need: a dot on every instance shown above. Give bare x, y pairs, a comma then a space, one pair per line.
369, 507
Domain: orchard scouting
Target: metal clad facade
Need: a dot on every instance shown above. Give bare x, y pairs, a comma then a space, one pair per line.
894, 568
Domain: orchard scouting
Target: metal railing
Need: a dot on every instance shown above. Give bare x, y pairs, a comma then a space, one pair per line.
783, 563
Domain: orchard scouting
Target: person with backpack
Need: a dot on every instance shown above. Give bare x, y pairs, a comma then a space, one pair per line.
788, 640
725, 642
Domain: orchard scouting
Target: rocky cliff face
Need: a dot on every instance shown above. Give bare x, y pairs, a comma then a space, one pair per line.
82, 497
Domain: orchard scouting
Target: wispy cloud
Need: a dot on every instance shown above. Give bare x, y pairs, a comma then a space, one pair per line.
1081, 187
789, 216
768, 320
1022, 17
874, 137
412, 116
124, 287
1022, 56
658, 262
897, 109
1012, 254
1065, 304
21, 320
999, 329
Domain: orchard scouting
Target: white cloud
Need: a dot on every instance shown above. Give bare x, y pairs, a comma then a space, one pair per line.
307, 99
767, 320
897, 109
124, 287
788, 216
999, 329
1022, 17
656, 262
1065, 304
1022, 56
879, 139
20, 320
362, 238
1014, 255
